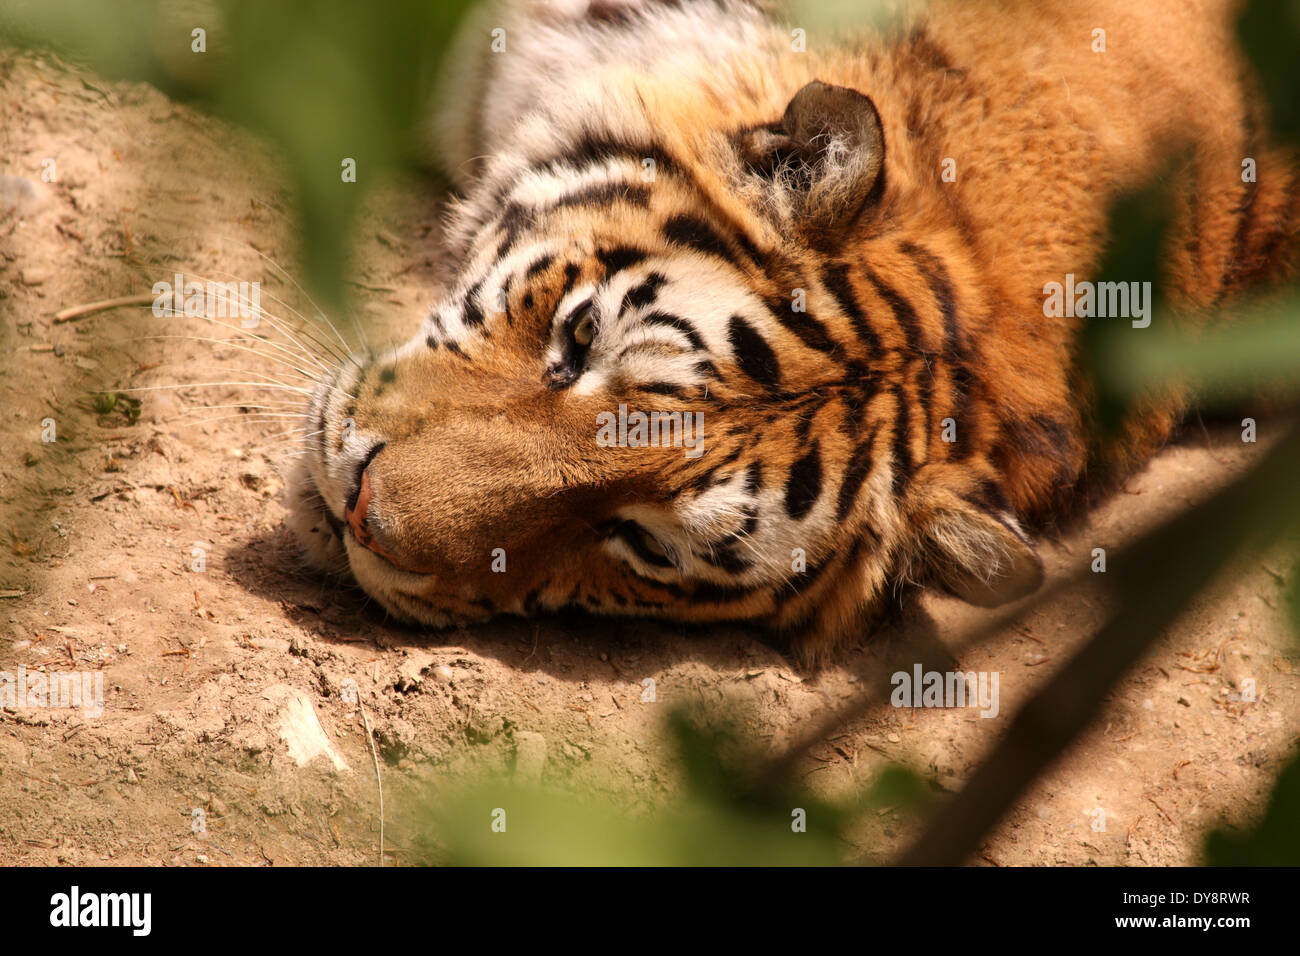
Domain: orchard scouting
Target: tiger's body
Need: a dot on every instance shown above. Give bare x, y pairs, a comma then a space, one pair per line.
668, 207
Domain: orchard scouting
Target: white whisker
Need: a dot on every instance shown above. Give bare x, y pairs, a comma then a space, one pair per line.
230, 343
153, 388
347, 349
279, 323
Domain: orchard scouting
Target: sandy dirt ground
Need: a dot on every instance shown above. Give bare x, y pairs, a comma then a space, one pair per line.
236, 696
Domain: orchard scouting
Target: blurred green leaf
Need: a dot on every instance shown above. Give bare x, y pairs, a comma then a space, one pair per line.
1276, 841
718, 818
559, 829
1253, 353
1138, 224
1269, 31
824, 19
898, 786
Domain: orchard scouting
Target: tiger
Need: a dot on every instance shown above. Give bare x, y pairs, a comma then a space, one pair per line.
818, 266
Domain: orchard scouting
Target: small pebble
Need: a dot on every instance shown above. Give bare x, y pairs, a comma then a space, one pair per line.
20, 195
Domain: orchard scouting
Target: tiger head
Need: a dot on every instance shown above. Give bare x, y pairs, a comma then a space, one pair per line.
683, 374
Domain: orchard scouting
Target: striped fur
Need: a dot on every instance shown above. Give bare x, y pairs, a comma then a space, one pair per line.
826, 481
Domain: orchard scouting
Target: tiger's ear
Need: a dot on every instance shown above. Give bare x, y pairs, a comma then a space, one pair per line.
825, 159
980, 555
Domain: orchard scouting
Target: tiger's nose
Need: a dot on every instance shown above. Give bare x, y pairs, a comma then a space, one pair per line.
357, 516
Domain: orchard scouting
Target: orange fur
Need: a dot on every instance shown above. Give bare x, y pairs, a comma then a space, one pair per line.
925, 306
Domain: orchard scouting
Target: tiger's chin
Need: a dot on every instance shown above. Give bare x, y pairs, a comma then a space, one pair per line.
318, 531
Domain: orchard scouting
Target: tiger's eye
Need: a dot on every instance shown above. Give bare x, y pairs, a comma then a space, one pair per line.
585, 330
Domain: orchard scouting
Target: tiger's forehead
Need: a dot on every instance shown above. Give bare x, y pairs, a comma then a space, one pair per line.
605, 202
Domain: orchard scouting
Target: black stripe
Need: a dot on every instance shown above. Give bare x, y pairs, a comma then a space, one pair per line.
514, 219
592, 149
675, 322
473, 311
321, 432
804, 327
619, 258
922, 373
936, 276
990, 497
955, 349
855, 474
902, 309
754, 356
709, 593
804, 486
571, 272
633, 535
434, 338
541, 265
597, 148
505, 298
661, 388
640, 296
835, 277
694, 233
903, 463
704, 482
603, 194
727, 560
802, 582
803, 425
855, 405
